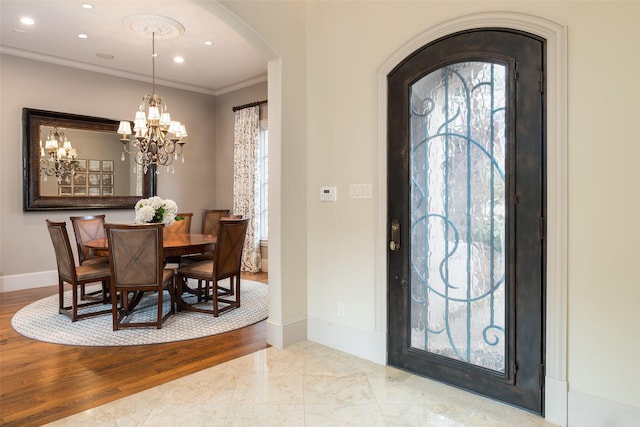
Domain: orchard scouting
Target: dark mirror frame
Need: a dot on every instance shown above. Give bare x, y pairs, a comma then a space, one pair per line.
32, 119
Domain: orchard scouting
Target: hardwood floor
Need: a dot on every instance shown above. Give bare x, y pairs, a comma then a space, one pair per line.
42, 382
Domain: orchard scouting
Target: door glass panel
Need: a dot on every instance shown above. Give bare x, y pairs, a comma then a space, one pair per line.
457, 140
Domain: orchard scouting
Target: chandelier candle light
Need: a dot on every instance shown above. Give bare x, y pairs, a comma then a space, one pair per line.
57, 157
157, 140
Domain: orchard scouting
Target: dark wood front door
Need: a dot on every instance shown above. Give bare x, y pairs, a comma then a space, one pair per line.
466, 185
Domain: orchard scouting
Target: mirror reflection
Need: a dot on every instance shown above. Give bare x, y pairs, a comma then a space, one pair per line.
75, 162
78, 162
57, 155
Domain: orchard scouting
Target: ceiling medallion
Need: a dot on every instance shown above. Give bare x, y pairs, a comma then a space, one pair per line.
148, 25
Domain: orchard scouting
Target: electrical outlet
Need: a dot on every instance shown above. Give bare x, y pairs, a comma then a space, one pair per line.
340, 309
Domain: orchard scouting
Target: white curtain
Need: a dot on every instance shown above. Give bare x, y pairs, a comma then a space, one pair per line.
246, 184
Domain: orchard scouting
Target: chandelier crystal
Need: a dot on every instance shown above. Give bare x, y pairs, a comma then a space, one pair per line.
57, 156
157, 140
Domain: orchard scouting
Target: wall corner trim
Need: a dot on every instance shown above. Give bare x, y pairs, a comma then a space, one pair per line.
281, 335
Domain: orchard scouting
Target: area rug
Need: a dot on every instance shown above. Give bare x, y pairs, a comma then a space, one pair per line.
41, 321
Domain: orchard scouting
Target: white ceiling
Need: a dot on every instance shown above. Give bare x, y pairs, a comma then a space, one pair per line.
230, 63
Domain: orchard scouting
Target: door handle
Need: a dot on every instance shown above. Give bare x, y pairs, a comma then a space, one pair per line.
394, 244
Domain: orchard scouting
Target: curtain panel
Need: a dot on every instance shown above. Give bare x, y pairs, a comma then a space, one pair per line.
245, 182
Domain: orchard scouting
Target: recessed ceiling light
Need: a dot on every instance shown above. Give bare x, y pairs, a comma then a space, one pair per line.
104, 56
87, 6
19, 31
178, 59
83, 36
208, 43
27, 21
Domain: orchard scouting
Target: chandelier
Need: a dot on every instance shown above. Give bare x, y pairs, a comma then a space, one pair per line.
57, 157
157, 140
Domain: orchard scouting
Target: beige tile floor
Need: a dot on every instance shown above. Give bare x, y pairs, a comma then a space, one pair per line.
303, 385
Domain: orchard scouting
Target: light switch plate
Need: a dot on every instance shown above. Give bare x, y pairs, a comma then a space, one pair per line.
360, 191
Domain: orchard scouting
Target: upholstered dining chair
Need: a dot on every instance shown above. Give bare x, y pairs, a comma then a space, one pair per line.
85, 228
137, 266
210, 225
76, 276
182, 226
211, 220
226, 263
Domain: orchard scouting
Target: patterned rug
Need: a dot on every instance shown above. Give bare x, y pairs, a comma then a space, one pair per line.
40, 321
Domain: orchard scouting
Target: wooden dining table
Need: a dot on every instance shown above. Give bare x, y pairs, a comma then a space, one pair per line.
173, 245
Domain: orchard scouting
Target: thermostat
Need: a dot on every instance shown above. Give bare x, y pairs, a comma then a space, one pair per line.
328, 194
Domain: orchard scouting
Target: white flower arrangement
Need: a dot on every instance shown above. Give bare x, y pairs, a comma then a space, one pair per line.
156, 209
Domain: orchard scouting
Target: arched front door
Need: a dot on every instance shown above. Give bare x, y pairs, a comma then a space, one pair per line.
466, 184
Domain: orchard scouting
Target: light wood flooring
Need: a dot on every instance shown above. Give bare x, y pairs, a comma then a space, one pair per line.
42, 382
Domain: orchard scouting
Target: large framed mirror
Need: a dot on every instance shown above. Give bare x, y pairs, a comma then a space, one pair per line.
75, 162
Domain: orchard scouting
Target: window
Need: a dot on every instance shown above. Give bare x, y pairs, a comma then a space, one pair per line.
263, 178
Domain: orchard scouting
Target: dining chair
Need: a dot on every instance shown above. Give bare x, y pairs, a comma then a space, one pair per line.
210, 225
85, 228
76, 276
137, 266
226, 264
182, 226
211, 220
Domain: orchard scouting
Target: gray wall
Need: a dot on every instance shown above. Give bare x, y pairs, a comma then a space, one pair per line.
25, 246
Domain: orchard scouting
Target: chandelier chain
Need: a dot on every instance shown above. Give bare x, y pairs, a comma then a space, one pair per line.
153, 63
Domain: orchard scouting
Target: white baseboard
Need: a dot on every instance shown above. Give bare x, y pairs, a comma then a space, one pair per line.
282, 335
370, 345
264, 265
555, 401
18, 282
586, 410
